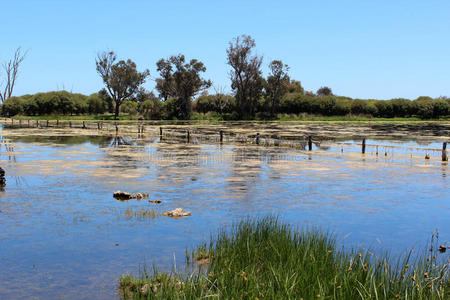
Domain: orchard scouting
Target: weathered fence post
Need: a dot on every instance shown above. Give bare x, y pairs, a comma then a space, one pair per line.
117, 127
98, 125
444, 152
47, 124
2, 177
20, 123
84, 125
377, 151
70, 124
188, 134
257, 138
363, 148
309, 143
221, 136
37, 123
142, 129
28, 123
160, 132
12, 121
57, 122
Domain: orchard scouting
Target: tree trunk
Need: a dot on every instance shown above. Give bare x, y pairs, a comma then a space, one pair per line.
116, 114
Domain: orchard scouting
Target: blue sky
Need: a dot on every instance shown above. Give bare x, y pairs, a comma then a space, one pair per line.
362, 49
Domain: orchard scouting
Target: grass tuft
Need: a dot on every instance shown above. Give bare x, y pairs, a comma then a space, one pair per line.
264, 258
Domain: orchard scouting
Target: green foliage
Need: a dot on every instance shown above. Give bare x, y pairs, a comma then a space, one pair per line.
246, 75
324, 91
182, 81
60, 102
129, 107
122, 79
277, 84
264, 258
96, 104
218, 103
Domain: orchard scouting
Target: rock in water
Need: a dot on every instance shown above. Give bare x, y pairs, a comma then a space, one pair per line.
122, 195
176, 213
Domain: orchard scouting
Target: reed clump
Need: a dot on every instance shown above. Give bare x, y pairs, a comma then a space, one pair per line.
264, 258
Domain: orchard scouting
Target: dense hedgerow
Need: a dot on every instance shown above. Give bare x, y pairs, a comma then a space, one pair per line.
65, 103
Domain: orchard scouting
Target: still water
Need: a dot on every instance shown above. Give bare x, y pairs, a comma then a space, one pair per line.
63, 235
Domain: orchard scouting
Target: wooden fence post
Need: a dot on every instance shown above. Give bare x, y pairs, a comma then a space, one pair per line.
257, 138
221, 136
444, 152
160, 132
309, 143
363, 148
188, 135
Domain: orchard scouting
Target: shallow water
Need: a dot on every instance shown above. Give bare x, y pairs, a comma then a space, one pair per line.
63, 235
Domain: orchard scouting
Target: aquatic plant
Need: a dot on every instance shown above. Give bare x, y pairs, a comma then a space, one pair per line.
264, 258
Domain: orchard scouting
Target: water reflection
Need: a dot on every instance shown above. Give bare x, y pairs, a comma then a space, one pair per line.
63, 224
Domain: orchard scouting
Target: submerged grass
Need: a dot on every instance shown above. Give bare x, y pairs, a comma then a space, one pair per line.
264, 258
141, 214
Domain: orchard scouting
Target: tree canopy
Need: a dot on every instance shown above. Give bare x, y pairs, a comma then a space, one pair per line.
122, 79
277, 84
182, 81
246, 75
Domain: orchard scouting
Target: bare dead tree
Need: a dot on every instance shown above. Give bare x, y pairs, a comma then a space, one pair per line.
11, 69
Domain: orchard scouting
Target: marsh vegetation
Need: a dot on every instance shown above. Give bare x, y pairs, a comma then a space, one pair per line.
265, 258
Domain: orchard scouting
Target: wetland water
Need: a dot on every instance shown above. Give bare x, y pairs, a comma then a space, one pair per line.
63, 235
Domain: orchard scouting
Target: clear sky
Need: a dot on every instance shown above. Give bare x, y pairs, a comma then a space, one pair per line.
362, 49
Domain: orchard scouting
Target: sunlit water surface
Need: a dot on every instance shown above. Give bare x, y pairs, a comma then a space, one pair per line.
63, 235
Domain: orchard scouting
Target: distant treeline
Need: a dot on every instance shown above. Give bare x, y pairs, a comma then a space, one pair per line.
182, 90
150, 107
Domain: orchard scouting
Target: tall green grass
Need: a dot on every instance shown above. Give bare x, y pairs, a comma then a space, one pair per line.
264, 258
